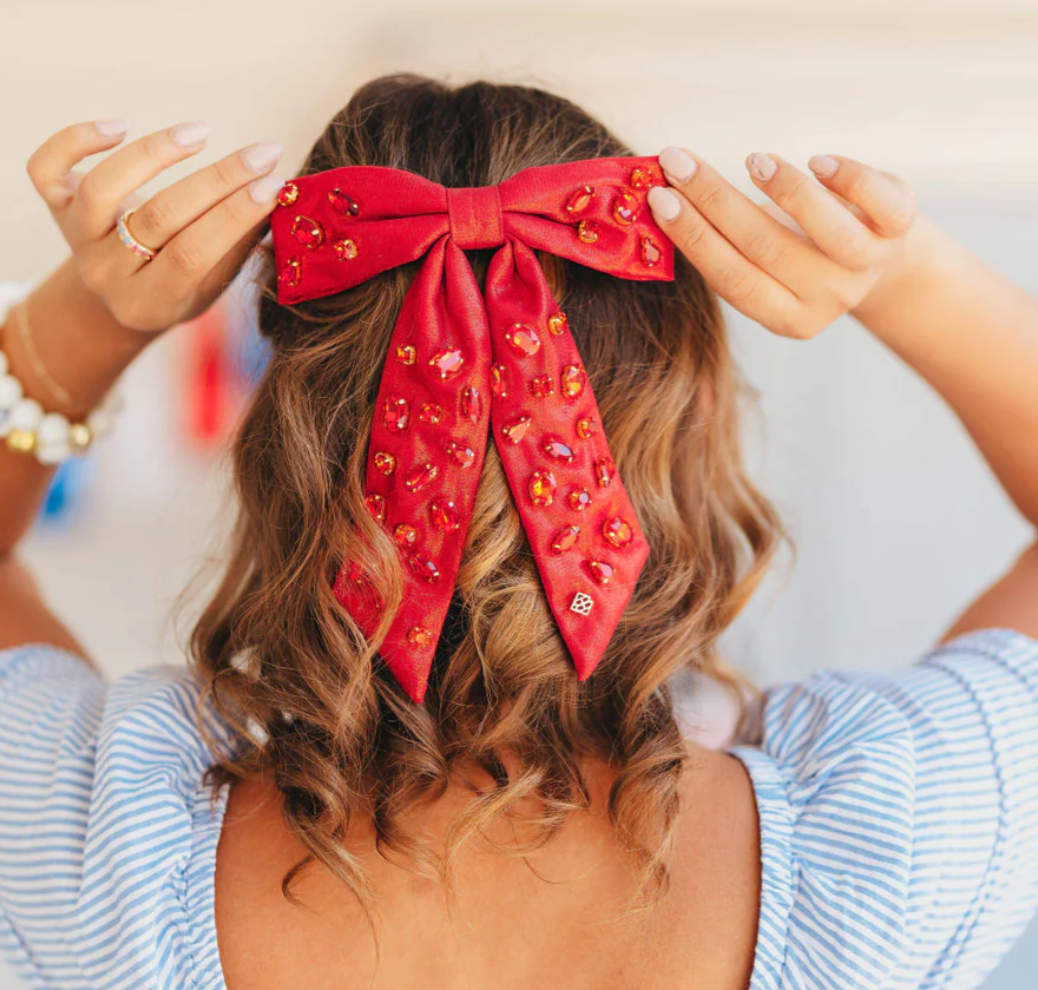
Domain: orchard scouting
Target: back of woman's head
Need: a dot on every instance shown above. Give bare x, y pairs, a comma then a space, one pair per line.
341, 738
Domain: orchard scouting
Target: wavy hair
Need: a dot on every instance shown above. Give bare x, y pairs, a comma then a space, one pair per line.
277, 653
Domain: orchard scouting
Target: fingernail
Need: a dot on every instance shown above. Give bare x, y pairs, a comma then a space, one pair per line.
824, 166
663, 203
265, 189
262, 156
111, 128
761, 167
189, 135
677, 163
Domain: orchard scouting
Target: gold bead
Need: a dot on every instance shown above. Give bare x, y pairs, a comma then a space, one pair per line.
22, 441
79, 436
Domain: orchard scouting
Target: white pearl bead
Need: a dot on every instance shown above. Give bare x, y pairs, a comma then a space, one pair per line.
52, 453
10, 391
100, 422
26, 415
53, 429
4, 363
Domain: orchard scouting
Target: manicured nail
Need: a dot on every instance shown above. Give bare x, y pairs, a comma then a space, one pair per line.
262, 156
663, 203
824, 166
190, 135
677, 163
265, 189
761, 167
111, 128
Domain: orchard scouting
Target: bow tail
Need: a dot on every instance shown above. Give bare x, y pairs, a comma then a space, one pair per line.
428, 441
580, 523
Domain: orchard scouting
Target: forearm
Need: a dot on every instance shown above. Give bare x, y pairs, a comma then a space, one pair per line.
84, 349
973, 335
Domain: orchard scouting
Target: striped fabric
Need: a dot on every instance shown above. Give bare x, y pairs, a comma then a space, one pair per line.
899, 823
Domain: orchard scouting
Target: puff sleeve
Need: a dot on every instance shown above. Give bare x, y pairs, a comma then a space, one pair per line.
107, 833
905, 808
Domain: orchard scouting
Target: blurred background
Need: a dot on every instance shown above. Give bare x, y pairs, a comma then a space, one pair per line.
897, 522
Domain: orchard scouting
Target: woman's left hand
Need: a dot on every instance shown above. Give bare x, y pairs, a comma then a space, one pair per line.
201, 227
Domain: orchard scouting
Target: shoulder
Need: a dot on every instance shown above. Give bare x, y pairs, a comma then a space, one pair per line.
901, 812
107, 831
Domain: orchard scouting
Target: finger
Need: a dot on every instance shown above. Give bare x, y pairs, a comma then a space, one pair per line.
827, 222
733, 277
192, 255
888, 204
770, 245
51, 163
169, 211
103, 189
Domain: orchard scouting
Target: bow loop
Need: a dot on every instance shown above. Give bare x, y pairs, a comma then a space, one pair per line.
460, 365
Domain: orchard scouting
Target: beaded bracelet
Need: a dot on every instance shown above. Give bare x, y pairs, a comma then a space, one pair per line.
50, 437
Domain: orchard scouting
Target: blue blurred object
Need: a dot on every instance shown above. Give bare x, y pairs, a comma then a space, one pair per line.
66, 495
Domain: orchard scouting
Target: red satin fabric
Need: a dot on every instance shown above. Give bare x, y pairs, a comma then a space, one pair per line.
460, 363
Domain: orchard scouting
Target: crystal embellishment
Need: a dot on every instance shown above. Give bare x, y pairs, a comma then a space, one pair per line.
419, 636
498, 383
445, 515
398, 414
618, 532
430, 413
405, 354
425, 568
565, 539
542, 386
461, 453
420, 477
385, 463
524, 339
644, 178
580, 200
343, 204
405, 535
291, 273
471, 404
307, 231
586, 427
651, 254
515, 429
600, 570
625, 209
557, 323
579, 499
542, 488
587, 231
288, 194
573, 379
605, 471
447, 363
377, 507
558, 450
345, 250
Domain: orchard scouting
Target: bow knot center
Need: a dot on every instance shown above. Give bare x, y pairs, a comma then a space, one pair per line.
475, 217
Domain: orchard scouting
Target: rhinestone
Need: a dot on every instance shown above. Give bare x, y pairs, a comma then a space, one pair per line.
580, 200
430, 413
342, 203
447, 363
586, 427
461, 453
558, 450
524, 339
542, 385
445, 515
617, 532
80, 436
21, 441
376, 506
651, 254
558, 323
542, 487
307, 231
515, 429
625, 209
579, 499
291, 273
605, 470
419, 636
573, 379
397, 414
565, 539
600, 570
405, 354
288, 194
346, 250
587, 231
385, 463
644, 178
406, 535
425, 568
498, 384
421, 476
471, 404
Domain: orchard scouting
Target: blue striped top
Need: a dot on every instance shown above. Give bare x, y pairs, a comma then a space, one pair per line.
898, 814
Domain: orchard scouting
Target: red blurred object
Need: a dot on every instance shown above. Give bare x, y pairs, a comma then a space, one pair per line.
210, 386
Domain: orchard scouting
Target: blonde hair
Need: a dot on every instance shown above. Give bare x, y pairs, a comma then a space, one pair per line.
340, 737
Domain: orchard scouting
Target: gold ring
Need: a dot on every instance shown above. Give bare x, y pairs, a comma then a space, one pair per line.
141, 250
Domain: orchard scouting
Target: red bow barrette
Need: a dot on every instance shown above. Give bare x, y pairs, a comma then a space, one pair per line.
459, 364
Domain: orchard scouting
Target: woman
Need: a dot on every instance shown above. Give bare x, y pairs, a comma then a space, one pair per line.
519, 827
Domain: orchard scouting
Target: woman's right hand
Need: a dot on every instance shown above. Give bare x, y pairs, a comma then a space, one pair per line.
796, 269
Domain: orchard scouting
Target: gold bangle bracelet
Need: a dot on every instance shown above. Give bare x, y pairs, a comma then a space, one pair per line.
21, 316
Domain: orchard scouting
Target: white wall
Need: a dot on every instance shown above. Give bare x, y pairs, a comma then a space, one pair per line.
896, 521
